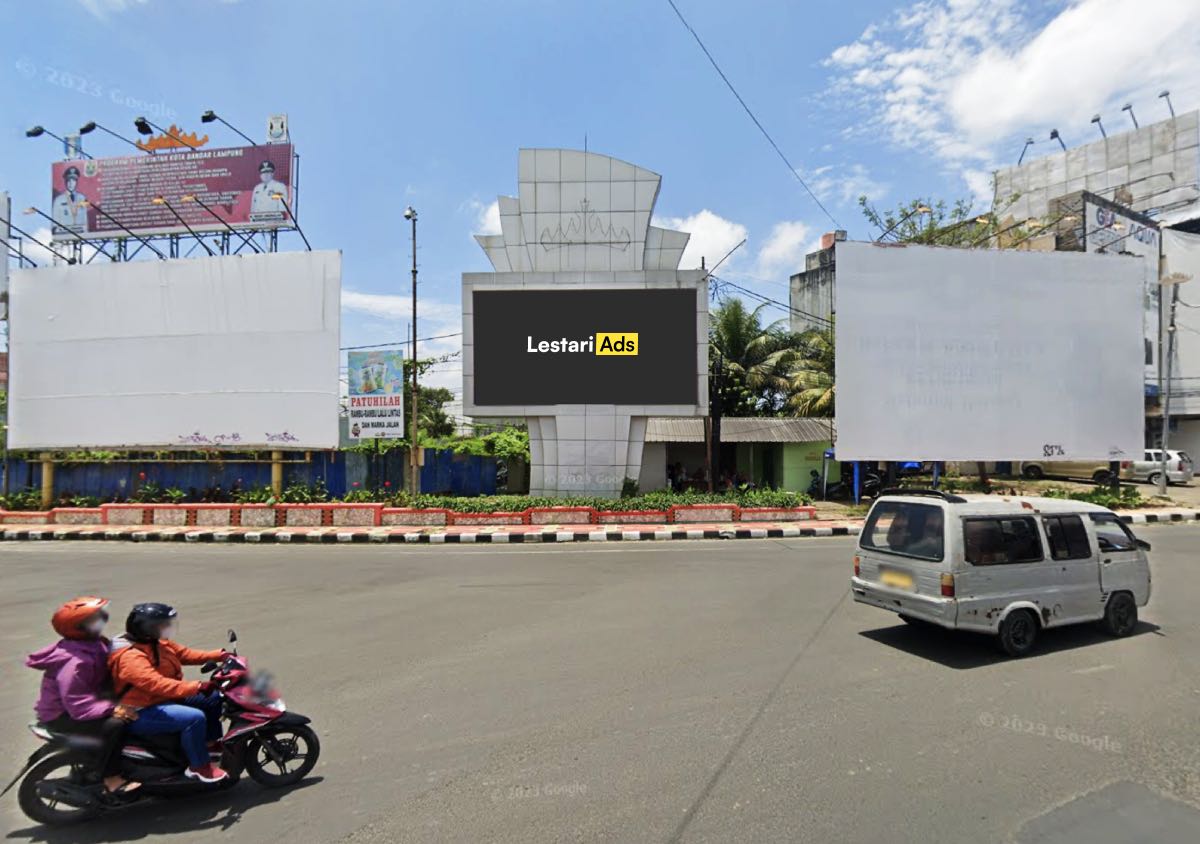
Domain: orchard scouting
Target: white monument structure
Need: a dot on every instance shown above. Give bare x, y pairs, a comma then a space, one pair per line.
580, 224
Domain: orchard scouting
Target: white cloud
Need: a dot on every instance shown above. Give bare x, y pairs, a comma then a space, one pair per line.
103, 8
960, 79
487, 216
783, 252
712, 236
845, 183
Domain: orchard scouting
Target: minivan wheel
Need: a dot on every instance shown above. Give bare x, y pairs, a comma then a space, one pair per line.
1121, 615
1018, 632
1033, 473
1103, 476
1153, 478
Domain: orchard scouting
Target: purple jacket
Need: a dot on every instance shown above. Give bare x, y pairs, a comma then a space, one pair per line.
74, 678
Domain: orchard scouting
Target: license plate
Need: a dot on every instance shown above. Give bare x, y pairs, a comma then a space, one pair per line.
896, 579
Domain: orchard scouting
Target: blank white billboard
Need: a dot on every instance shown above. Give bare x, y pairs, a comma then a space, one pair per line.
963, 354
234, 351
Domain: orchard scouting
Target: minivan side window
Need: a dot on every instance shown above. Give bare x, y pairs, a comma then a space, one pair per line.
1068, 538
1001, 541
1111, 534
905, 528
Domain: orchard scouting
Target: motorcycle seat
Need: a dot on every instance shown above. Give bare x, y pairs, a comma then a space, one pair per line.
63, 737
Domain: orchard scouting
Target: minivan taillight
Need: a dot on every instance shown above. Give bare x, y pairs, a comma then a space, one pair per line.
1179, 466
1125, 464
856, 565
947, 586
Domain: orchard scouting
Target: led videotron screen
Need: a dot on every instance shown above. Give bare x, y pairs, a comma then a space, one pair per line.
546, 347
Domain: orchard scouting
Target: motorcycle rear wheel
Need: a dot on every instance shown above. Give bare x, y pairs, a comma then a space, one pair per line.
49, 811
295, 744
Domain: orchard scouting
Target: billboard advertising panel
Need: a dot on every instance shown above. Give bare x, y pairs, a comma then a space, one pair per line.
376, 395
1105, 227
98, 196
961, 354
585, 346
232, 351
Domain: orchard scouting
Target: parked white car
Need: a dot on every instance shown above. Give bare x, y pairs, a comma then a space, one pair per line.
1010, 566
1149, 468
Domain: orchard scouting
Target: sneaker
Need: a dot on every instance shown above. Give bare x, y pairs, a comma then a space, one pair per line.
205, 773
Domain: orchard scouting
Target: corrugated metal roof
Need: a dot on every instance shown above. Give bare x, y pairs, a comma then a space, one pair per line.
675, 429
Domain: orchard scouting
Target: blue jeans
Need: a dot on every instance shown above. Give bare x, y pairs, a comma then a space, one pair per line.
197, 719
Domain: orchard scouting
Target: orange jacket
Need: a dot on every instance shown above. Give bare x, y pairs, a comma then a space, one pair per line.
150, 673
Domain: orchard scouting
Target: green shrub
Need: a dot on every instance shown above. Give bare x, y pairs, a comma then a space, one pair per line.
26, 499
255, 495
1127, 498
297, 493
646, 501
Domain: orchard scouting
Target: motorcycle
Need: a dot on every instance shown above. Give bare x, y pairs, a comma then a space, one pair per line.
262, 739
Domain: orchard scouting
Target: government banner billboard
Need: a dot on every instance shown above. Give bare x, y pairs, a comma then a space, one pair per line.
983, 354
376, 395
584, 346
99, 196
233, 352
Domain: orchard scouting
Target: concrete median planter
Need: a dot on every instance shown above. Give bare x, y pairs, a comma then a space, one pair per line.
776, 514
515, 518
631, 517
560, 516
125, 514
409, 517
692, 513
252, 515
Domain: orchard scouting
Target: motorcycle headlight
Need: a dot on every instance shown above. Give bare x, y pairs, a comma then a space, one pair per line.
278, 705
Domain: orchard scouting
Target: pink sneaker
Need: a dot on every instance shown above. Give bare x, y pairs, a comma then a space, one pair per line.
205, 773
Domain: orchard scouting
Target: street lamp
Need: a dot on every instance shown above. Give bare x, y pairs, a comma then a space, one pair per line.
38, 131
190, 197
282, 199
1129, 108
92, 125
1054, 136
920, 209
45, 246
1166, 95
123, 227
161, 200
145, 127
1096, 120
410, 214
1024, 149
210, 115
74, 234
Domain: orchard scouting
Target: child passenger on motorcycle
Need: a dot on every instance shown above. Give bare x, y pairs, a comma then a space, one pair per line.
73, 696
147, 670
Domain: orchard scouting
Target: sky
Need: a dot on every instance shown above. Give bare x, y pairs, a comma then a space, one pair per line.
393, 104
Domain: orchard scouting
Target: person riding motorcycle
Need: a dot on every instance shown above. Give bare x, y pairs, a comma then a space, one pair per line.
147, 670
74, 684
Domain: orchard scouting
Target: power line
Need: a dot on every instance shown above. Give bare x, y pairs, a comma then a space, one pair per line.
820, 321
761, 128
400, 342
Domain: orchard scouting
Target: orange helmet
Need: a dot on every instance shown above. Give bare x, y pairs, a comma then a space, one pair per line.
68, 619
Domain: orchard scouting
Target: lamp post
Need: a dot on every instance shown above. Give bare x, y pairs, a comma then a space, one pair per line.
38, 131
74, 234
1166, 95
210, 115
124, 228
1100, 125
191, 197
410, 214
160, 200
1129, 108
92, 125
49, 249
1054, 136
1028, 143
145, 127
282, 199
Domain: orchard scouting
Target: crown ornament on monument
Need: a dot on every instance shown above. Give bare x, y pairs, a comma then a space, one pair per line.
585, 226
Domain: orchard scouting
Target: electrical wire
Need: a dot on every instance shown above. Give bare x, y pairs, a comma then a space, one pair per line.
757, 123
399, 342
820, 321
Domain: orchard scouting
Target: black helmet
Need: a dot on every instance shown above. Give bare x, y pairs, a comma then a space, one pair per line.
145, 621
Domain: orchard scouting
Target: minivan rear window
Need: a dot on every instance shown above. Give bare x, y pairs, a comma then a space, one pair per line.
905, 528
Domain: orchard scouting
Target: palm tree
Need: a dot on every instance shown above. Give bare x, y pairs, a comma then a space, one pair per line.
756, 360
811, 388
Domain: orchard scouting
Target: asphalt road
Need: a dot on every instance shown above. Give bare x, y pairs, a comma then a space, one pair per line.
676, 691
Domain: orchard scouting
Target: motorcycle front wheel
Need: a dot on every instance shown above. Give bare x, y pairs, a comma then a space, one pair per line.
282, 757
67, 769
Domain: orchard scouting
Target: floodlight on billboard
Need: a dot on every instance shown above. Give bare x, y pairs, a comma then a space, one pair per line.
233, 351
980, 354
245, 187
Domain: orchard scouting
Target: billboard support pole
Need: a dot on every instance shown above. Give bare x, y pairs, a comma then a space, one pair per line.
277, 473
47, 479
414, 473
1166, 403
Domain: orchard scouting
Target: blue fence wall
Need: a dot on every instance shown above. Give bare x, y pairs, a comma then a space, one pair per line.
443, 472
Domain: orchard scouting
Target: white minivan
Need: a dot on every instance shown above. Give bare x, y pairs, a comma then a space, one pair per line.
1010, 566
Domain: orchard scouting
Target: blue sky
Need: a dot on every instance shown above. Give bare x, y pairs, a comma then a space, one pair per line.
398, 103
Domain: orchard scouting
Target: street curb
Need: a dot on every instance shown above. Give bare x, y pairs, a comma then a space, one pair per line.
378, 535
1158, 518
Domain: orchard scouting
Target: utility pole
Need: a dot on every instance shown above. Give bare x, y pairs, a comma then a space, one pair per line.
714, 407
413, 460
1166, 403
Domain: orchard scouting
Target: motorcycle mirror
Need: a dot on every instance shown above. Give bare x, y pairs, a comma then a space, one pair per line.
232, 636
